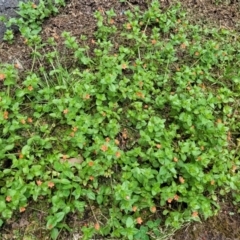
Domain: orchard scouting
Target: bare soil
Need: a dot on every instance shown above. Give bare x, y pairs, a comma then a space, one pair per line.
77, 18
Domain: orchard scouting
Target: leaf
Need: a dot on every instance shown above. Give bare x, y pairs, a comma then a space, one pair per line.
55, 219
64, 181
73, 161
91, 195
79, 205
99, 199
26, 150
59, 216
54, 233
2, 205
7, 213
129, 222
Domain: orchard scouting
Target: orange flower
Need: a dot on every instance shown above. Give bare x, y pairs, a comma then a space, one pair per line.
195, 214
128, 26
153, 209
51, 184
153, 41
5, 115
23, 121
17, 65
176, 197
196, 53
8, 199
169, 200
87, 96
64, 157
125, 134
91, 163
91, 178
181, 180
39, 182
2, 76
30, 88
65, 111
74, 129
134, 208
104, 148
158, 146
175, 159
72, 134
183, 46
107, 139
124, 66
34, 5
219, 121
97, 226
111, 21
29, 120
140, 94
22, 209
116, 142
139, 220
212, 182
118, 154
20, 156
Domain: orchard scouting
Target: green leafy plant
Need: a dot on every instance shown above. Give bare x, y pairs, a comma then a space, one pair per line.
137, 132
30, 17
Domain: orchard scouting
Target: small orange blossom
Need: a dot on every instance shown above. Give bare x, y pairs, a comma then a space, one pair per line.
181, 180
97, 226
51, 184
2, 76
104, 148
139, 220
153, 209
134, 208
8, 199
22, 209
65, 111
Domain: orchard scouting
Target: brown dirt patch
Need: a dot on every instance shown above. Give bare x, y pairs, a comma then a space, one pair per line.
224, 226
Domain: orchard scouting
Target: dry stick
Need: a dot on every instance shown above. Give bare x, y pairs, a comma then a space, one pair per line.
132, 6
93, 212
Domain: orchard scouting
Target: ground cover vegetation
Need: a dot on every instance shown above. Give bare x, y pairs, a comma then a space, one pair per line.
141, 132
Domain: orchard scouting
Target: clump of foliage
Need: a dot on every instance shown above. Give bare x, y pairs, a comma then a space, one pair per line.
30, 18
138, 132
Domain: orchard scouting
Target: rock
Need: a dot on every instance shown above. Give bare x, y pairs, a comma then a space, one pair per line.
8, 9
